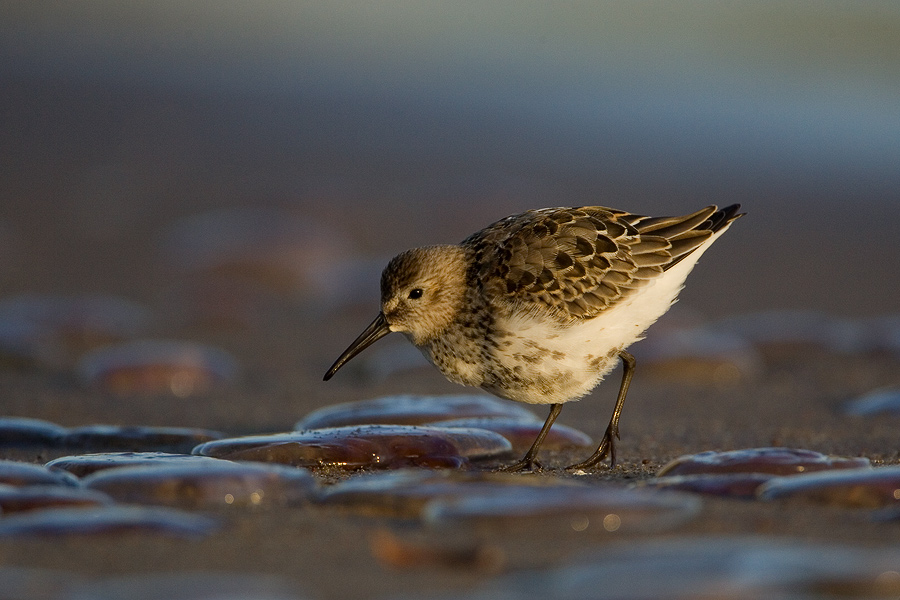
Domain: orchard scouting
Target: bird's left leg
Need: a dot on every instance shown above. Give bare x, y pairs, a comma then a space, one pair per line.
528, 462
608, 444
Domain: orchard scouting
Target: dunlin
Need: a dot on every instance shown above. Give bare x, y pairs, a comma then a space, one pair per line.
539, 306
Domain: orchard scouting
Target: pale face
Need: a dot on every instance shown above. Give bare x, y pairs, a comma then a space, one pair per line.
422, 290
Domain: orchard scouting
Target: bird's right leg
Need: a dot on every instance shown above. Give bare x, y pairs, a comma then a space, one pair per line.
528, 462
608, 444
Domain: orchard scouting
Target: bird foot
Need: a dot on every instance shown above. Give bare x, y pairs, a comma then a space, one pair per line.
526, 465
607, 448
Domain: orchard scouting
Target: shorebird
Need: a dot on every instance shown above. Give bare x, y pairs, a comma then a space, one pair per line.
540, 306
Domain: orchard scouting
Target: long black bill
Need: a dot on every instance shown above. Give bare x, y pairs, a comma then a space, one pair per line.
374, 332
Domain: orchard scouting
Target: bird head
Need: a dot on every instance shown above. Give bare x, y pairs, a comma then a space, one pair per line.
422, 291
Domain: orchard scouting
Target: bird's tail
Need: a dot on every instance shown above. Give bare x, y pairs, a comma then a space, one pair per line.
685, 234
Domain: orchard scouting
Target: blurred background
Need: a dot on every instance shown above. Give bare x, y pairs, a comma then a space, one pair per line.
148, 148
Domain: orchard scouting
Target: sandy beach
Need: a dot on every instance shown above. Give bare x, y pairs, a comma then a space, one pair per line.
101, 178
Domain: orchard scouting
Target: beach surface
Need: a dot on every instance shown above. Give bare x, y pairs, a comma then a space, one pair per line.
106, 184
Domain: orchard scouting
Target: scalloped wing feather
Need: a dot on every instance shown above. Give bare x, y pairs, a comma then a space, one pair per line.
577, 262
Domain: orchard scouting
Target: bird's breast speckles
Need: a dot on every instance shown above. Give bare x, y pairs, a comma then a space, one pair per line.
458, 358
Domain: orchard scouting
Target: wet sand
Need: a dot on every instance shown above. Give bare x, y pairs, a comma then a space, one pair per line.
72, 232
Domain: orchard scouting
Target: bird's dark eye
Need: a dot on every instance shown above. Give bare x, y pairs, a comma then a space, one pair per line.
415, 293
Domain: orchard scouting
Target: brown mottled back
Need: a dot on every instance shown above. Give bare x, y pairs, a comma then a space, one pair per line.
580, 261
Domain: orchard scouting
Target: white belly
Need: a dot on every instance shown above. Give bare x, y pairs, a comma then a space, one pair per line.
561, 363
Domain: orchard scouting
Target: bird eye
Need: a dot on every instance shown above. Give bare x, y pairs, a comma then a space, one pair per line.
415, 293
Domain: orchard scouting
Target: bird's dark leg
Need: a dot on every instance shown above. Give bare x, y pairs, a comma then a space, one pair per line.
608, 444
528, 462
